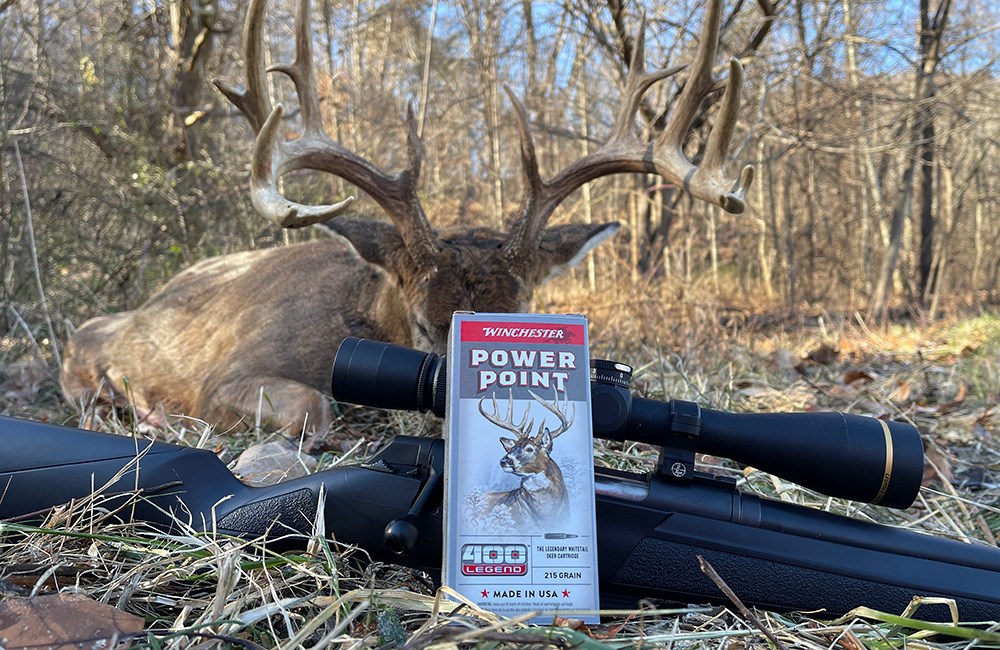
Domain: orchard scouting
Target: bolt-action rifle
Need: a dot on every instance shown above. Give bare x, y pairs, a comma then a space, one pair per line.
651, 527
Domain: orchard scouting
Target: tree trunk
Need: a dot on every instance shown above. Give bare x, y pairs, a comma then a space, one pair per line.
192, 23
878, 306
940, 264
789, 214
931, 35
763, 258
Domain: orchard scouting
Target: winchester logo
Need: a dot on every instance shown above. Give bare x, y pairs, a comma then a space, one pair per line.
523, 333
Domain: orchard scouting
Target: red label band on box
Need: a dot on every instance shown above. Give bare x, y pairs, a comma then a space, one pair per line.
506, 332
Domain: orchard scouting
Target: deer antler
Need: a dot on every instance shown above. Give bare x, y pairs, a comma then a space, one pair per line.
559, 411
397, 195
624, 153
314, 149
521, 429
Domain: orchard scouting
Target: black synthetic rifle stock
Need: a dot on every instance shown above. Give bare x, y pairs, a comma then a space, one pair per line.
651, 528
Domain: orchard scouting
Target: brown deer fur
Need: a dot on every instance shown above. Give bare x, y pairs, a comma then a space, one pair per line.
225, 329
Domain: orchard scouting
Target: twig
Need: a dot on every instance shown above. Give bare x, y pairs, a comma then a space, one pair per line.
34, 254
27, 332
233, 640
709, 570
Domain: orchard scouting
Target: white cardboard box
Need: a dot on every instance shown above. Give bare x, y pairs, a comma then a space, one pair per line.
520, 528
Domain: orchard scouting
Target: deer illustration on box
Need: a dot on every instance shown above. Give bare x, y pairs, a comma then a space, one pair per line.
255, 332
541, 496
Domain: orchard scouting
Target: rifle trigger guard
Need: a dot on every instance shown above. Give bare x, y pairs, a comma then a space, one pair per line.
681, 442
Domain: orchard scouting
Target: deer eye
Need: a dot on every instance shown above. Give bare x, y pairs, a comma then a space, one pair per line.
529, 449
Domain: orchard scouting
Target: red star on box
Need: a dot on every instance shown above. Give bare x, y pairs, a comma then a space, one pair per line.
565, 593
485, 593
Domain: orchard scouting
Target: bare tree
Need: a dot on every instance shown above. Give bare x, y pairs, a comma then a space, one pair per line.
930, 38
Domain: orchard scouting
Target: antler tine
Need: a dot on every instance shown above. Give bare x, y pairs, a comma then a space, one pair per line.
530, 222
637, 82
252, 102
315, 150
709, 182
624, 153
717, 147
699, 82
507, 423
300, 71
265, 168
559, 412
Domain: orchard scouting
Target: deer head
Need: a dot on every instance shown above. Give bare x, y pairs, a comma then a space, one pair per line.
529, 454
477, 269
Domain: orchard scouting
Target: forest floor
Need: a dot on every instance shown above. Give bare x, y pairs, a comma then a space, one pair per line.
199, 591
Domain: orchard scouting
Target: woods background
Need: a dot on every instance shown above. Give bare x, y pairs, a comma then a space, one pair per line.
873, 126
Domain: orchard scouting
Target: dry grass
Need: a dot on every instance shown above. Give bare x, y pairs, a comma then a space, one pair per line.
200, 591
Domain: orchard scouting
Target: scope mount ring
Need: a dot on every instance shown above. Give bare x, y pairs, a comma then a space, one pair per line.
681, 441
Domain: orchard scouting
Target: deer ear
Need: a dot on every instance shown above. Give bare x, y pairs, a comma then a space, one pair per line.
375, 241
507, 443
545, 440
564, 247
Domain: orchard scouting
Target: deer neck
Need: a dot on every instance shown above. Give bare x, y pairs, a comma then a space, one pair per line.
548, 480
390, 314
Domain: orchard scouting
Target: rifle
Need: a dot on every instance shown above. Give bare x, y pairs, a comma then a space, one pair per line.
651, 528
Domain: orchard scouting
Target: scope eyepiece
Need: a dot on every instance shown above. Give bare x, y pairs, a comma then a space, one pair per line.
389, 376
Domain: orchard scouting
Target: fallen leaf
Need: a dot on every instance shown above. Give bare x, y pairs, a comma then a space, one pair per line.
63, 622
937, 467
573, 624
846, 391
825, 354
901, 392
955, 401
858, 378
271, 462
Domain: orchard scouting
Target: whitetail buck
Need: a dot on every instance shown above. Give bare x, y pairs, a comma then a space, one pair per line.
541, 497
258, 330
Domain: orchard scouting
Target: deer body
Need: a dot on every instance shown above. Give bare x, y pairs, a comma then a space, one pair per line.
201, 345
206, 346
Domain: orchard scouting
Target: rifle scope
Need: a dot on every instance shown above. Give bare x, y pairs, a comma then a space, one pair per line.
847, 456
